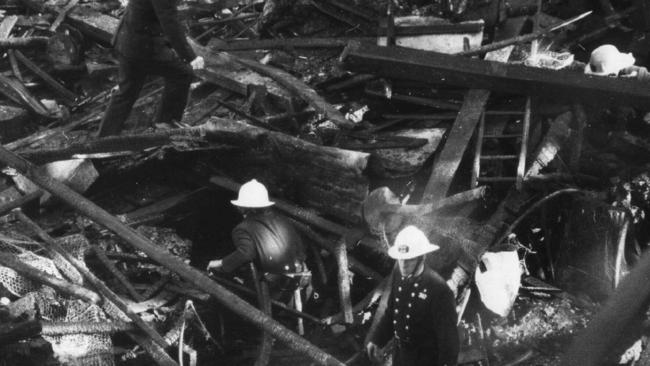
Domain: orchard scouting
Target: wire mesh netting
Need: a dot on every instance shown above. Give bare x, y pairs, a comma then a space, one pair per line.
70, 349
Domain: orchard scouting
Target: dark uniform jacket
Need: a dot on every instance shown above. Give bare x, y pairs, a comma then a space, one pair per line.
421, 315
149, 28
269, 240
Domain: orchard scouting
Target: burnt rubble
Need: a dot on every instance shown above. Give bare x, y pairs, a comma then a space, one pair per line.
472, 119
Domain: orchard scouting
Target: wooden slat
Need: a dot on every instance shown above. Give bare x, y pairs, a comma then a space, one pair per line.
70, 97
521, 167
7, 25
476, 171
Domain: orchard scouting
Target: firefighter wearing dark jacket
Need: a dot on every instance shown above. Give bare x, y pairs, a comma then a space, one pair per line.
265, 238
150, 40
421, 312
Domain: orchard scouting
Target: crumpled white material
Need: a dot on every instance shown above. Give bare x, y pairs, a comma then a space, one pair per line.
499, 284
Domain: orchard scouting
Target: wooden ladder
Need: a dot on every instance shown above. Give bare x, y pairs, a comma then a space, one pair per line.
521, 157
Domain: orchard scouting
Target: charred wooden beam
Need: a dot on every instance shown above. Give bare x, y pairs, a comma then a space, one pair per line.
110, 144
522, 39
280, 305
331, 11
63, 14
23, 42
355, 265
173, 263
69, 97
297, 87
261, 44
344, 281
436, 68
332, 180
94, 115
16, 91
440, 28
101, 255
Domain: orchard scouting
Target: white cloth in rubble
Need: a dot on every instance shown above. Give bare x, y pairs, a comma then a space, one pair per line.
500, 283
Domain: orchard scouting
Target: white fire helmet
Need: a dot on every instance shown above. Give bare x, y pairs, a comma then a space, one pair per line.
608, 60
253, 194
411, 243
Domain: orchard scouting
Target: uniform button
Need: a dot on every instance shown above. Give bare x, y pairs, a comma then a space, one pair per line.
409, 305
408, 316
416, 284
394, 321
399, 288
412, 294
396, 311
397, 299
406, 327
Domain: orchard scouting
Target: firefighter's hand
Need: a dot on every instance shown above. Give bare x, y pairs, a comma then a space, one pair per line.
198, 63
373, 351
215, 265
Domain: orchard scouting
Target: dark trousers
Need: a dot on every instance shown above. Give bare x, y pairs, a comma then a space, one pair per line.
132, 74
406, 354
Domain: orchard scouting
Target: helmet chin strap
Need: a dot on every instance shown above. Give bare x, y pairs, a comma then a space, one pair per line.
419, 267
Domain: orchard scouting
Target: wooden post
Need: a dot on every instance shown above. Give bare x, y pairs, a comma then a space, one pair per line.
521, 166
620, 252
383, 304
344, 281
294, 312
175, 264
117, 274
35, 274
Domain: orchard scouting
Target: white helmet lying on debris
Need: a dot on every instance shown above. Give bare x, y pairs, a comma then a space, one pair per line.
607, 60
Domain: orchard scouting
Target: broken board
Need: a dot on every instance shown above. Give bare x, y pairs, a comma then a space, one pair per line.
394, 163
445, 43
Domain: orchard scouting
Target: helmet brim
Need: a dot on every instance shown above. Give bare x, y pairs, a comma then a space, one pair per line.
394, 253
244, 204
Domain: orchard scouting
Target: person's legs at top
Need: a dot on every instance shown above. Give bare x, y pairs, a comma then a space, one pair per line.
177, 77
132, 74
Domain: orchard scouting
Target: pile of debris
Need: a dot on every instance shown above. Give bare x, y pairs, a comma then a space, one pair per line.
361, 117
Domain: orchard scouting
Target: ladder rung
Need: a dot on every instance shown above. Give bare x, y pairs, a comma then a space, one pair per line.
504, 113
501, 136
499, 157
497, 179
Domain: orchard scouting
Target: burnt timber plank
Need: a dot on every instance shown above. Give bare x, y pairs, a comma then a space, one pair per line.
101, 27
437, 68
447, 162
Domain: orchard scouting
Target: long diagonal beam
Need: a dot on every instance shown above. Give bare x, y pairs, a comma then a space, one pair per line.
173, 263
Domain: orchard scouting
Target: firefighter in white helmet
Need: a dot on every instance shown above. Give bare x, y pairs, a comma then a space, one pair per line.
421, 312
265, 238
